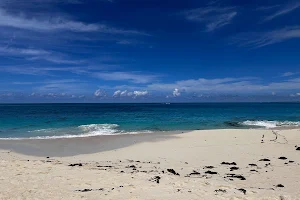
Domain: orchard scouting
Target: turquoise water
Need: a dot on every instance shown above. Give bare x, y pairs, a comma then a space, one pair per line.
46, 121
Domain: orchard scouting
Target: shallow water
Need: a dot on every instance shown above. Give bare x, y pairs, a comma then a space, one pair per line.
82, 120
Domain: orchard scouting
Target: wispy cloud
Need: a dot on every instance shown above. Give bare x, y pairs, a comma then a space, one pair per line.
61, 85
38, 54
58, 24
282, 11
124, 42
57, 59
213, 17
100, 93
226, 85
22, 2
134, 77
261, 39
27, 69
22, 51
264, 8
289, 74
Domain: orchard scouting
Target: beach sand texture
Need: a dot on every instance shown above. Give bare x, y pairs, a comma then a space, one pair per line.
204, 164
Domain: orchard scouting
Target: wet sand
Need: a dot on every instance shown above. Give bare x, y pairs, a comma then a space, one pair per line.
83, 145
205, 164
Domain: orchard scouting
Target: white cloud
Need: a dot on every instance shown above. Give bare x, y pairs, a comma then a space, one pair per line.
126, 76
58, 24
285, 10
100, 93
51, 95
261, 39
213, 17
140, 93
117, 93
295, 95
176, 92
124, 93
134, 94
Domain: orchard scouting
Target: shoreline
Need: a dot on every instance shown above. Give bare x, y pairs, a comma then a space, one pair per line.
99, 143
201, 164
63, 147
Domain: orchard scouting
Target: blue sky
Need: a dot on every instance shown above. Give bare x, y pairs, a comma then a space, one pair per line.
149, 50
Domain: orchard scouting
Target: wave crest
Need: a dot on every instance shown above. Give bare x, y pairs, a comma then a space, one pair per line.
80, 132
270, 124
99, 129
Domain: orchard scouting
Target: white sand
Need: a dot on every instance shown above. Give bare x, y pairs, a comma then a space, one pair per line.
39, 179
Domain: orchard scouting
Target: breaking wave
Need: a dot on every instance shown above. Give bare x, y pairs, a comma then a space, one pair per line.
81, 131
270, 124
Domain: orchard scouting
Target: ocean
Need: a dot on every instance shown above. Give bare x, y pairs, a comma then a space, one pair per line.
50, 121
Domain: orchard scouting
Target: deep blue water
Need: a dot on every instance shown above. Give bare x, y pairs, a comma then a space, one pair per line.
70, 120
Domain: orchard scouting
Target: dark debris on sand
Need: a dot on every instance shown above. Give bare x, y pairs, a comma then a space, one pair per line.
131, 166
89, 190
220, 190
210, 172
253, 165
155, 179
280, 185
265, 159
195, 173
75, 164
172, 171
233, 168
268, 164
228, 163
242, 190
235, 176
282, 158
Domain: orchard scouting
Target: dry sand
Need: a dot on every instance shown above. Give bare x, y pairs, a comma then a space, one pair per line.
140, 170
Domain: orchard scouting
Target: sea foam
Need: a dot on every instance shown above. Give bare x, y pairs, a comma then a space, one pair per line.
270, 124
83, 131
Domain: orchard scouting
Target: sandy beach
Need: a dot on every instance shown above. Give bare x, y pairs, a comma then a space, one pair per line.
203, 164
